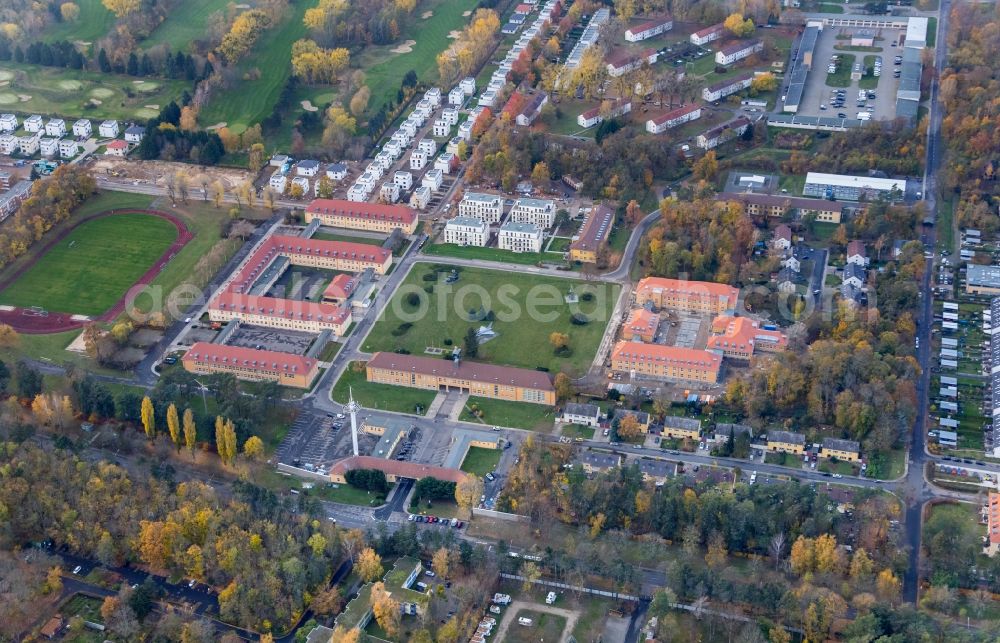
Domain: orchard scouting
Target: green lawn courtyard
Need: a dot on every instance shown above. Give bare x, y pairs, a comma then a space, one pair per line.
89, 270
525, 310
480, 460
517, 415
489, 254
379, 396
841, 77
578, 431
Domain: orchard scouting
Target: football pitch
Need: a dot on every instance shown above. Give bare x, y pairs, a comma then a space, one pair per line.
94, 265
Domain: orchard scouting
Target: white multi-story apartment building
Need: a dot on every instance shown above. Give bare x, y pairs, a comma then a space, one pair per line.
428, 146
433, 179
389, 193
418, 159
34, 124
488, 207
82, 128
467, 231
541, 212
8, 122
8, 144
49, 147
108, 129
420, 198
403, 179
520, 237
68, 148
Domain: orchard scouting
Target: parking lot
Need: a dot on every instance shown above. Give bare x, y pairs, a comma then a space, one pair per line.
283, 341
314, 441
818, 93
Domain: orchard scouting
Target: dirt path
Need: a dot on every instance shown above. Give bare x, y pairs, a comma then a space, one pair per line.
571, 617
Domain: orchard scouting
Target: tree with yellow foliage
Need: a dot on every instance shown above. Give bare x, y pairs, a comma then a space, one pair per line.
314, 65
888, 586
803, 555
253, 448
174, 425
739, 27
628, 427
122, 8
148, 417
190, 431
441, 562
468, 490
369, 565
243, 33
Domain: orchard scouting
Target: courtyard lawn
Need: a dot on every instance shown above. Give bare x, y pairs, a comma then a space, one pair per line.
186, 22
386, 397
92, 24
481, 461
350, 495
566, 123
331, 236
527, 310
487, 254
74, 94
517, 415
578, 431
271, 55
89, 270
384, 70
842, 77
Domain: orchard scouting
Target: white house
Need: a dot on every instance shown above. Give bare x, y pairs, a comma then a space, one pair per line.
854, 275
488, 98
648, 29
585, 414
279, 160
465, 130
336, 171
532, 109
302, 182
446, 162
468, 85
622, 62
708, 34
452, 146
403, 179
456, 97
428, 146
449, 115
433, 179
56, 127
8, 144
424, 108
82, 128
520, 237
409, 127
673, 118
384, 160
375, 170
357, 193
488, 207
467, 231
738, 51
418, 160
434, 96
723, 88
28, 145
389, 193
307, 167
540, 212
441, 128
792, 263
8, 122
593, 116
108, 129
117, 147
719, 134
34, 124
392, 149
278, 182
420, 198
134, 133
367, 180
68, 148
48, 147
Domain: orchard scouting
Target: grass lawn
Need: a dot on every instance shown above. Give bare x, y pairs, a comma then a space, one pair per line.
840, 466
384, 70
829, 7
568, 111
93, 23
186, 21
517, 415
379, 396
945, 224
441, 509
841, 77
784, 459
71, 93
487, 254
350, 495
86, 607
832, 281
330, 351
528, 308
545, 627
271, 55
931, 31
481, 461
578, 431
88, 271
559, 244
794, 183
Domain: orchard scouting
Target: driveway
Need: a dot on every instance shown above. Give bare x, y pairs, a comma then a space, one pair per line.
570, 615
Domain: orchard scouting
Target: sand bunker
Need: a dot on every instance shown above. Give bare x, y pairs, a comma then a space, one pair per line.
145, 112
404, 48
466, 14
7, 99
24, 98
427, 14
454, 34
309, 107
6, 74
70, 85
96, 101
156, 107
218, 125
145, 85
102, 92
4, 83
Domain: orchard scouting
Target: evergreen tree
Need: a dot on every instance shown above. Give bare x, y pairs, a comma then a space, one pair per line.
132, 67
102, 61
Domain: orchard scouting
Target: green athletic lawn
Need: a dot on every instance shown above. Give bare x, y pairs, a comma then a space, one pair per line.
271, 55
71, 93
186, 22
522, 336
481, 461
89, 270
93, 23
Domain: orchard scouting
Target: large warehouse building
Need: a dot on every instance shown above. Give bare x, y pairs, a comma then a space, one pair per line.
844, 187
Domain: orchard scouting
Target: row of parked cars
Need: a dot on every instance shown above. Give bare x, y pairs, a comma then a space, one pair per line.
444, 522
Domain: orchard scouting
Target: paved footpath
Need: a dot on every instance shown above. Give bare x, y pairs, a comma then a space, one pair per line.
571, 617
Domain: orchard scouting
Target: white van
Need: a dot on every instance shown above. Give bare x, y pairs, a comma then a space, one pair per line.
525, 621
753, 477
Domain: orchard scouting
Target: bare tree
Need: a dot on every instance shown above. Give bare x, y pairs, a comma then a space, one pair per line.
777, 547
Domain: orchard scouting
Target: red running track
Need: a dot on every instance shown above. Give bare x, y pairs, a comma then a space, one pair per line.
24, 321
